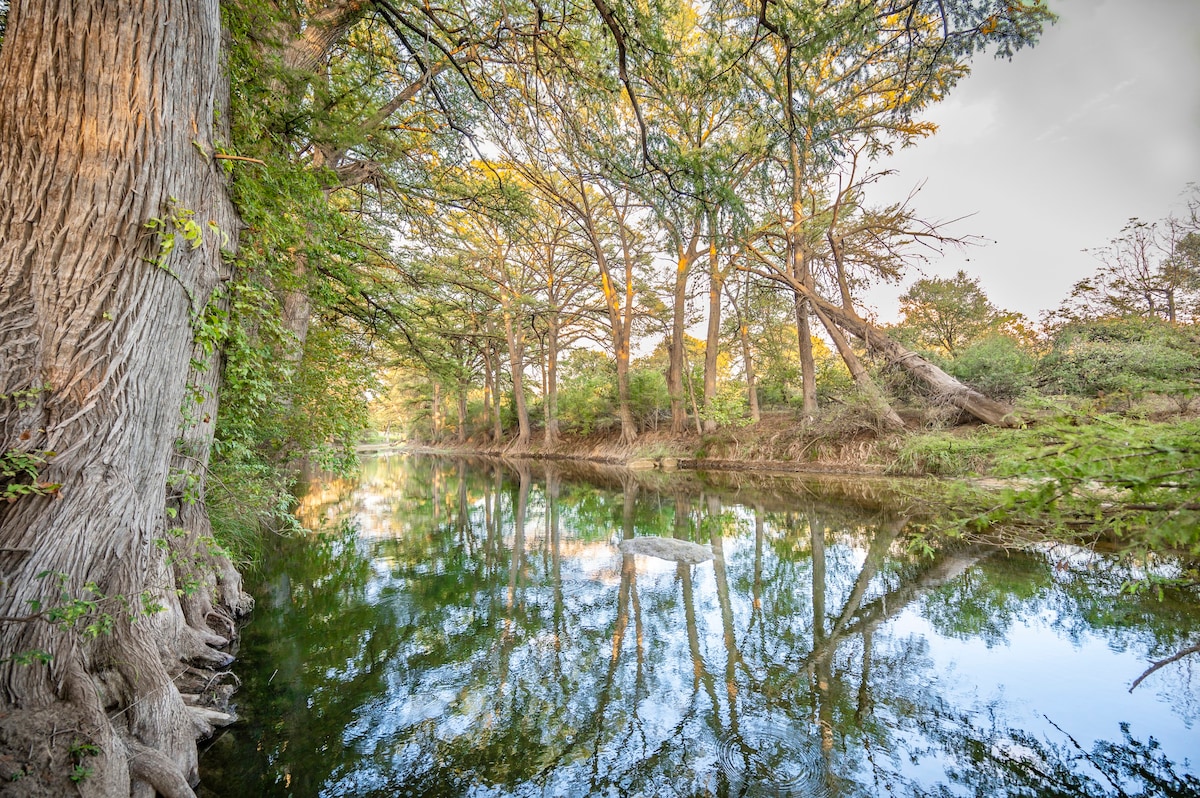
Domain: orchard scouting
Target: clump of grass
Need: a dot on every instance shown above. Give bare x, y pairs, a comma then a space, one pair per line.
947, 454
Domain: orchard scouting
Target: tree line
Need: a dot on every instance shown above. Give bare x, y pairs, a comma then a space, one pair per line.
1121, 333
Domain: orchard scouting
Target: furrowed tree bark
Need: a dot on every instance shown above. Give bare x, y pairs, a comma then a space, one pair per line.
216, 598
106, 113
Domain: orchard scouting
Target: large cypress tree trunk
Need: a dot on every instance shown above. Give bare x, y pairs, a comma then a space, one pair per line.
106, 113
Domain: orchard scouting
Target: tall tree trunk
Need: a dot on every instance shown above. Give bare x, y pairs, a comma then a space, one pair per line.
687, 256
487, 383
741, 316
800, 270
435, 410
491, 362
514, 333
551, 394
462, 413
866, 385
619, 324
624, 407
712, 339
497, 394
106, 111
748, 367
808, 366
691, 390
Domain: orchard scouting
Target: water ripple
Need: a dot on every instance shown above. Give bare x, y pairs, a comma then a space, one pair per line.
766, 758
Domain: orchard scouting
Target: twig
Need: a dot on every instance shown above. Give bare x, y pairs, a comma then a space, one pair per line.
220, 156
1089, 757
21, 618
1178, 655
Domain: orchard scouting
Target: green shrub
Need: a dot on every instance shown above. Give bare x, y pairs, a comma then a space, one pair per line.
587, 392
649, 399
730, 406
948, 455
1131, 356
997, 366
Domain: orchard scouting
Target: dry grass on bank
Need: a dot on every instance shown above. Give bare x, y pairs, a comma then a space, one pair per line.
937, 441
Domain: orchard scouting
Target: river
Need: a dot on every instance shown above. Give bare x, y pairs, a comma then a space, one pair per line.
455, 628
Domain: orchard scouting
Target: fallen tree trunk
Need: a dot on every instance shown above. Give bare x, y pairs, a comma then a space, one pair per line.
941, 385
866, 385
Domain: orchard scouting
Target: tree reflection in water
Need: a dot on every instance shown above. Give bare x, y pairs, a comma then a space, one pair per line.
472, 629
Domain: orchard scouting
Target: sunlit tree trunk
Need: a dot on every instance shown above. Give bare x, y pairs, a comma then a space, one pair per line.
712, 339
106, 116
550, 402
687, 256
514, 334
620, 324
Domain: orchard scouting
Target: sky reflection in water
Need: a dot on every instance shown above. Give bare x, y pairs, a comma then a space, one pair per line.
476, 631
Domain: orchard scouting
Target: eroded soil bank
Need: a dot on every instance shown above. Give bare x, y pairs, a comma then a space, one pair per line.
1076, 474
778, 443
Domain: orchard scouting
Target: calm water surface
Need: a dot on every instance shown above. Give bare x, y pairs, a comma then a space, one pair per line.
471, 629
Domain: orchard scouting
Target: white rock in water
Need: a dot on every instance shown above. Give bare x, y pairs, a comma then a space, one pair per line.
667, 549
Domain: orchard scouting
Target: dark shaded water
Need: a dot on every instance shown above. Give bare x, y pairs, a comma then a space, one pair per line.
473, 630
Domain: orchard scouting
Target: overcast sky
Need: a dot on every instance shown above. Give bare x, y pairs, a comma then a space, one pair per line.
1053, 151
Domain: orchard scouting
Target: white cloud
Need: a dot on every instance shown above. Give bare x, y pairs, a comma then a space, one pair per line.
1056, 149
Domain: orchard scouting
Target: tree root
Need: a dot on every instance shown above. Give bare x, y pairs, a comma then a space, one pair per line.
157, 770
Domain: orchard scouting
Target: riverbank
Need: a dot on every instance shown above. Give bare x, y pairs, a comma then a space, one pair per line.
1074, 474
777, 443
